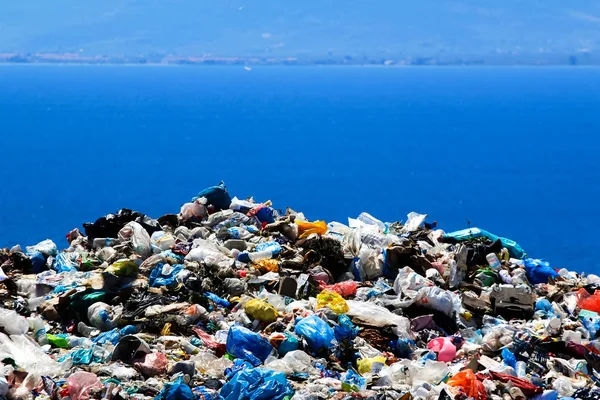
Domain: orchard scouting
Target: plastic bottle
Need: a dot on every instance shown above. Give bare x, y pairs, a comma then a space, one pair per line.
493, 261
39, 330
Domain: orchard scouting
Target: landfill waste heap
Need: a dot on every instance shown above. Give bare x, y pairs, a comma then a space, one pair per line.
233, 300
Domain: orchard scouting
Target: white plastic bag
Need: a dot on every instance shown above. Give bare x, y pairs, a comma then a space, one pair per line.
378, 316
192, 210
161, 241
293, 362
371, 262
408, 282
13, 323
46, 247
140, 239
413, 222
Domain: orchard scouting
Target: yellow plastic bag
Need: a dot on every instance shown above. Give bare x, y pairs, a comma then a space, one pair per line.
123, 268
261, 310
306, 228
372, 365
332, 300
267, 265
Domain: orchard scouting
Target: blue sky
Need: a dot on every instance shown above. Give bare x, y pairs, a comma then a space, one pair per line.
374, 28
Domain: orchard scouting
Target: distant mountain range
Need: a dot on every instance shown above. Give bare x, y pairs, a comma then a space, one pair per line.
485, 30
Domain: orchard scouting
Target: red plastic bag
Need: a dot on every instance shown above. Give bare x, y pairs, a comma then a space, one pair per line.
590, 302
344, 289
467, 383
210, 342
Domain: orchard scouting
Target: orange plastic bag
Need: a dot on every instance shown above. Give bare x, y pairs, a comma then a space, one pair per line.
590, 302
466, 382
306, 228
267, 265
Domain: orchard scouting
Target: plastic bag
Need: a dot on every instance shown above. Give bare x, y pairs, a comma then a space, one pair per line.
352, 382
123, 268
153, 364
139, 237
371, 262
539, 271
468, 384
164, 275
217, 196
261, 310
13, 323
374, 315
193, 210
316, 332
408, 282
590, 302
161, 241
413, 222
294, 362
344, 289
176, 390
444, 347
81, 383
345, 329
103, 316
306, 228
46, 247
370, 365
257, 384
473, 233
267, 265
211, 365
332, 300
245, 344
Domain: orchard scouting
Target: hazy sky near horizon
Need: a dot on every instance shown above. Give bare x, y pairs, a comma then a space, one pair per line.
300, 27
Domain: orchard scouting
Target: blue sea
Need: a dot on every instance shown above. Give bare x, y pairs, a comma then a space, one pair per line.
510, 150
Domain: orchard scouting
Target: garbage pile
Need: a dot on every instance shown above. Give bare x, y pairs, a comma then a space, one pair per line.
232, 299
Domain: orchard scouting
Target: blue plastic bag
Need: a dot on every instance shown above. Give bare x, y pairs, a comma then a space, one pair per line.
473, 233
248, 345
218, 196
219, 301
545, 307
345, 329
273, 247
176, 390
539, 271
316, 332
289, 344
257, 384
38, 261
353, 382
266, 214
157, 278
63, 263
509, 358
